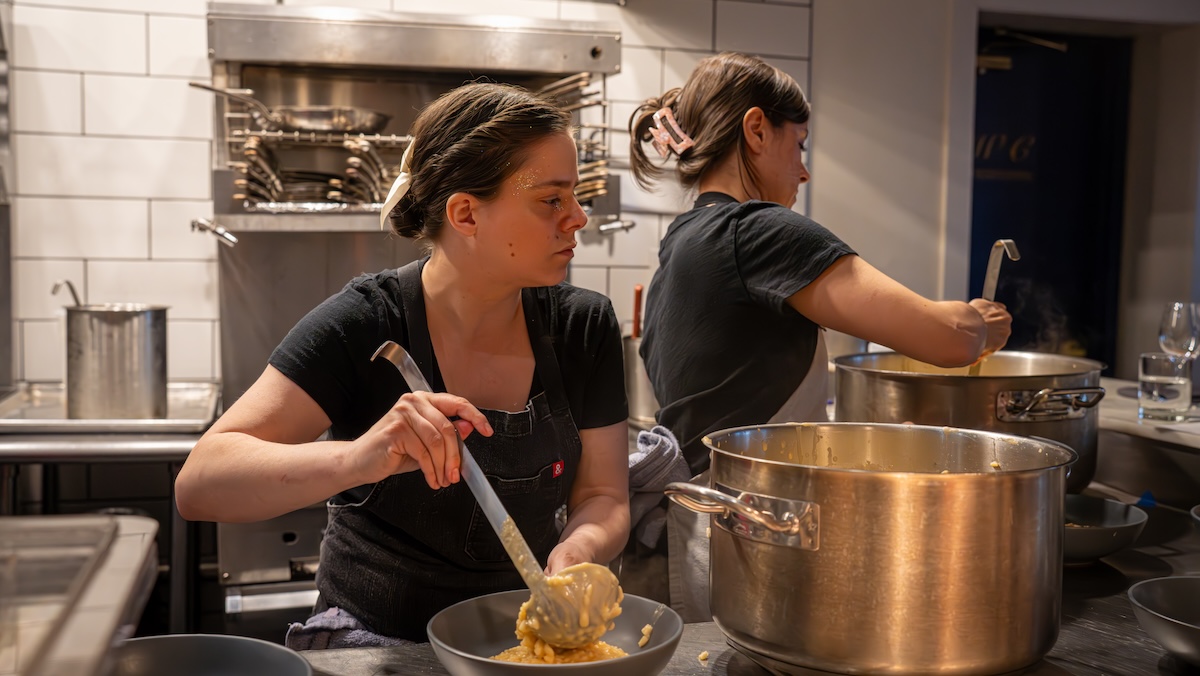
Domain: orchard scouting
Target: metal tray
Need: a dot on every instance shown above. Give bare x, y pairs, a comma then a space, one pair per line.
40, 408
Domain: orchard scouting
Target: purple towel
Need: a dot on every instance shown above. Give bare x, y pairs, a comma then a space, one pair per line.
336, 628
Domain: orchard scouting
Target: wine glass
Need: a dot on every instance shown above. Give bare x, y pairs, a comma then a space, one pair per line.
1179, 332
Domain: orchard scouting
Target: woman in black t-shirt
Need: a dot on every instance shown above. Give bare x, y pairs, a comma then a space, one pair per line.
525, 366
733, 314
744, 283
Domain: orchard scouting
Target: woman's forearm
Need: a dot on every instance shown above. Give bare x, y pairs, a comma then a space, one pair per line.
234, 477
599, 525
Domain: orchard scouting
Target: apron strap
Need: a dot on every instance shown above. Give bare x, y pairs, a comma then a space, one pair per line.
421, 345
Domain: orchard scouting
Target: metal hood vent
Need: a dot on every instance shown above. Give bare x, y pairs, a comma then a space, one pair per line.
327, 36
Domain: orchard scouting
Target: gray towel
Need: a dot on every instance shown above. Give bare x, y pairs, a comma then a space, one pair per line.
336, 628
657, 462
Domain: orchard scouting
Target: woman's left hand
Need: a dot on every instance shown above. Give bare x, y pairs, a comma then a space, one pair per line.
566, 554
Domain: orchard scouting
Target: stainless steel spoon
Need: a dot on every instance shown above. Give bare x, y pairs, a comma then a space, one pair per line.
570, 609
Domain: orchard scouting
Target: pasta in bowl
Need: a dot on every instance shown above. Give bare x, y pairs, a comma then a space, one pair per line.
468, 635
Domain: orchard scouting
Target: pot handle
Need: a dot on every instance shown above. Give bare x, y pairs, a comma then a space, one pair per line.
1079, 397
757, 517
1047, 404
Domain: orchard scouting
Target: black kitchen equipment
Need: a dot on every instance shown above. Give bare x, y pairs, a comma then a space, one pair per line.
1097, 527
206, 655
1168, 608
466, 635
346, 119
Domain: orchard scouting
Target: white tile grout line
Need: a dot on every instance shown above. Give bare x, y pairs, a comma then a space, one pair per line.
102, 10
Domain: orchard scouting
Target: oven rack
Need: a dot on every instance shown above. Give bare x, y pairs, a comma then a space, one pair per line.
312, 138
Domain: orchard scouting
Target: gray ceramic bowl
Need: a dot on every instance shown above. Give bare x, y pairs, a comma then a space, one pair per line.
206, 655
1196, 515
1099, 527
1168, 608
466, 635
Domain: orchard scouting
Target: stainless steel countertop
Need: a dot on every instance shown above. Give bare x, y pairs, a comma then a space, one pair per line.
1098, 634
106, 609
37, 448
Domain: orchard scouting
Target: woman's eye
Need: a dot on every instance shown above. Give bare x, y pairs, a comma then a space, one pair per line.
554, 202
803, 147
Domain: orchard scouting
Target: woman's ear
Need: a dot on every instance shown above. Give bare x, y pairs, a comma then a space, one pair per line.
461, 212
754, 129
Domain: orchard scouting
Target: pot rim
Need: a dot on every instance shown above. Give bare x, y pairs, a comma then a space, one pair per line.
1072, 454
845, 362
116, 308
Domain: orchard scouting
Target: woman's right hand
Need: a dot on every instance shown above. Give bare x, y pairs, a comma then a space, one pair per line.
997, 322
416, 433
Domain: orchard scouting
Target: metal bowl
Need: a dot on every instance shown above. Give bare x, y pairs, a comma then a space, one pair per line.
1098, 527
1168, 608
1196, 515
206, 655
466, 635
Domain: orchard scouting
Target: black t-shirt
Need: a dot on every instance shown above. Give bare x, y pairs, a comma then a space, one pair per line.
328, 354
722, 347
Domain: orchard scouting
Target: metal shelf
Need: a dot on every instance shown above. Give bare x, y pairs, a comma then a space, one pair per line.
312, 138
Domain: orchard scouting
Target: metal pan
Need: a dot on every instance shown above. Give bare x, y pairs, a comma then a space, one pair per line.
1097, 527
1168, 608
206, 655
466, 635
343, 119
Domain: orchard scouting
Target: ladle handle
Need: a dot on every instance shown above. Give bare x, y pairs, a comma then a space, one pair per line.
518, 550
992, 275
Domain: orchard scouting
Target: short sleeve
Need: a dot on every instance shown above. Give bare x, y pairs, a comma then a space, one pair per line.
591, 352
779, 252
326, 353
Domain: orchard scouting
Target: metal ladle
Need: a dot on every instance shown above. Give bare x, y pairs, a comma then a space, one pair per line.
992, 276
569, 607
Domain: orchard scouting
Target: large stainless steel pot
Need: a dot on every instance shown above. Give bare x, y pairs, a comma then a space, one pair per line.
116, 361
844, 546
1024, 393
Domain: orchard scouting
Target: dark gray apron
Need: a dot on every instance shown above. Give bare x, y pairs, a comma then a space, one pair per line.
406, 551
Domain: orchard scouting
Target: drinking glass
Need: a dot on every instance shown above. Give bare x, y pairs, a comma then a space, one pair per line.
1179, 332
1164, 386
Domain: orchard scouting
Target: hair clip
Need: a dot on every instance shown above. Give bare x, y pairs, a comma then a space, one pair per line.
666, 133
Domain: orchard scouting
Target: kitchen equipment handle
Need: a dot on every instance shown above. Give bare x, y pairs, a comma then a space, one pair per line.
242, 95
489, 502
223, 236
992, 276
1047, 404
1082, 397
70, 287
760, 518
637, 312
708, 501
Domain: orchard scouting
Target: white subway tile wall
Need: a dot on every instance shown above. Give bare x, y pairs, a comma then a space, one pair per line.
113, 150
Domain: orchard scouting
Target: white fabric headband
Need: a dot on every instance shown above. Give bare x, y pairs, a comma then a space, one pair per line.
399, 188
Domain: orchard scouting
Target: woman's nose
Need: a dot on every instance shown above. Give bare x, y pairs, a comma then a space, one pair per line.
577, 218
804, 175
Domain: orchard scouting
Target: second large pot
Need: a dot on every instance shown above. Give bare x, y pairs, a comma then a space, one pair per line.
116, 361
1023, 393
884, 549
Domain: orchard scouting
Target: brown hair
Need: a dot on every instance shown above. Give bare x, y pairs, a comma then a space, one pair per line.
469, 140
709, 108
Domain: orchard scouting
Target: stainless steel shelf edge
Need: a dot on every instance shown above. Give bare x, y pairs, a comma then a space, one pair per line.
40, 408
317, 36
236, 223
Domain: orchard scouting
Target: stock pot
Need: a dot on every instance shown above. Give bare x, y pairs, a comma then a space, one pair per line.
1023, 393
884, 549
116, 361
